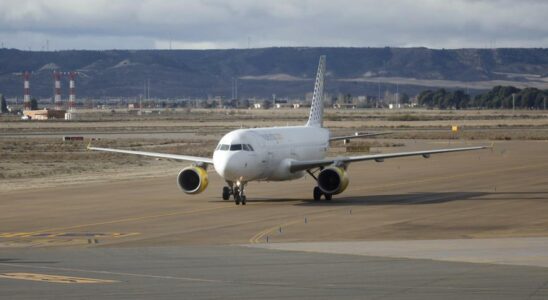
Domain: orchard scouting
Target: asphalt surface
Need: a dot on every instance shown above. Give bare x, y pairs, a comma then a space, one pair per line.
532, 251
232, 272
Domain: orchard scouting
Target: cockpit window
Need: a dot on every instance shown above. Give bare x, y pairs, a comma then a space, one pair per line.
235, 147
247, 147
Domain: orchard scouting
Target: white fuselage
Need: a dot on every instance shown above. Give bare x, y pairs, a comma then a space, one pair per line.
265, 153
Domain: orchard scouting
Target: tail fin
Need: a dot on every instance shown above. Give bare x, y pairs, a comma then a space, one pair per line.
316, 110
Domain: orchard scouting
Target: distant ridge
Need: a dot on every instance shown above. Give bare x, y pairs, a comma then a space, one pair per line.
263, 72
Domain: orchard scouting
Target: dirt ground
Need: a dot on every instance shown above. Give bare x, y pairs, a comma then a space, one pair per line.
35, 156
484, 194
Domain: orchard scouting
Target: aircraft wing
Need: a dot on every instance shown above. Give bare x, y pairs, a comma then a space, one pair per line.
355, 136
306, 165
206, 160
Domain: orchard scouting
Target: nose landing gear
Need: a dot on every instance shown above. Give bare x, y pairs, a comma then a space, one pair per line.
239, 195
237, 191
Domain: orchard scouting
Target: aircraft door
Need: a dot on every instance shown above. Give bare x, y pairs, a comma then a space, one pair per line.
268, 166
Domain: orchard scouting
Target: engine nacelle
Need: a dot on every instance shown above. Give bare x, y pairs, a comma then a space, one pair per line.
192, 180
332, 180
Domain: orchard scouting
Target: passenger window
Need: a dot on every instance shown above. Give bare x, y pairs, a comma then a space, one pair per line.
246, 148
223, 147
236, 147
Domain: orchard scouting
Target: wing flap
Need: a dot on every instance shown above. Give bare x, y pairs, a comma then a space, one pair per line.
425, 154
306, 165
296, 166
157, 155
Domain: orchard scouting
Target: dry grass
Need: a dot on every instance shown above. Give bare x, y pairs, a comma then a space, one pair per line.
44, 157
27, 153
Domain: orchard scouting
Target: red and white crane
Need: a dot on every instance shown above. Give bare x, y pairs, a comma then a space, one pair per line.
26, 93
72, 91
57, 99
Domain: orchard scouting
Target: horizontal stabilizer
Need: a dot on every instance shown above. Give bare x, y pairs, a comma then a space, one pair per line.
358, 135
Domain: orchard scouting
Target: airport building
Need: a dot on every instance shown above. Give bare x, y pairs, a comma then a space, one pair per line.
44, 114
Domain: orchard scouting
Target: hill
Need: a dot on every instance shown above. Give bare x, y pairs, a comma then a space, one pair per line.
262, 72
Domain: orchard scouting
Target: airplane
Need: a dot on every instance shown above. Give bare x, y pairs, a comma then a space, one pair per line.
278, 154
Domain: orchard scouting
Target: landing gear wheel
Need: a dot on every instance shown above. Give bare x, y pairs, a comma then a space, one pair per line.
317, 193
226, 193
238, 192
328, 196
237, 199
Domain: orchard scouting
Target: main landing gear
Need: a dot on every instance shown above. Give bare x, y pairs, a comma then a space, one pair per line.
236, 190
227, 191
318, 194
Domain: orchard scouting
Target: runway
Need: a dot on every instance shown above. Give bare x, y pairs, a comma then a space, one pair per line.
153, 241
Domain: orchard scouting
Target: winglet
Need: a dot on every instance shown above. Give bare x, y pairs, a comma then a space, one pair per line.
89, 145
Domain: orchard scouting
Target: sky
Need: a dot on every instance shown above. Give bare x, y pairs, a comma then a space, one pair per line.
221, 24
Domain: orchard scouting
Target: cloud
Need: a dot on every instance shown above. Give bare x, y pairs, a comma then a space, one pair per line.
144, 24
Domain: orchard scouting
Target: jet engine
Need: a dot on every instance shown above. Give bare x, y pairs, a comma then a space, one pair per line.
192, 180
332, 180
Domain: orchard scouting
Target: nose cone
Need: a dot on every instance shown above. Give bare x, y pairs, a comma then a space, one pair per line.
236, 165
227, 165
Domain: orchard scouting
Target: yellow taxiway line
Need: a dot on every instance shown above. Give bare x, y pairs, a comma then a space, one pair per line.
257, 237
53, 278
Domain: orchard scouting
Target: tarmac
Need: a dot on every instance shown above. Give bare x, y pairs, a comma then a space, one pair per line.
143, 238
505, 251
235, 272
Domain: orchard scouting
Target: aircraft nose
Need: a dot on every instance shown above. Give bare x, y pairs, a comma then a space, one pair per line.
228, 167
